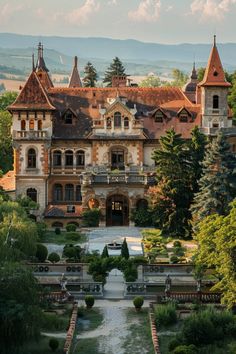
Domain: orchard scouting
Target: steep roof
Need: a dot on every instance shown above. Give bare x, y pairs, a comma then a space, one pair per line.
32, 96
75, 78
214, 74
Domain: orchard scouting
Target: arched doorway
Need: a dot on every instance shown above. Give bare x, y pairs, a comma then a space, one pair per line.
117, 211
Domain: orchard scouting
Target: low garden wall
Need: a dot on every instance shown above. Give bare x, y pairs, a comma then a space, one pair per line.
71, 330
154, 334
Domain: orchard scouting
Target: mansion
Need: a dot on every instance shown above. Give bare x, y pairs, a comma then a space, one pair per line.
78, 148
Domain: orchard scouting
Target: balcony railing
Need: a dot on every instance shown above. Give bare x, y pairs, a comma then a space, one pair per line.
214, 131
121, 178
30, 135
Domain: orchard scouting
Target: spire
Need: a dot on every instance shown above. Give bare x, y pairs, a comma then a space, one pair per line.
75, 78
41, 63
214, 73
194, 72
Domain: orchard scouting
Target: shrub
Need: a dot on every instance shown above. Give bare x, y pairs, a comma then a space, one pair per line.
41, 228
124, 249
174, 344
70, 227
54, 257
142, 217
53, 344
198, 329
89, 301
73, 236
177, 244
57, 230
178, 251
174, 259
138, 302
72, 252
139, 260
105, 253
130, 273
185, 349
91, 218
165, 315
41, 252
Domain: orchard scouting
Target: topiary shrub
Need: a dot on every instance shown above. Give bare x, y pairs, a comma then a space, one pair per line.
54, 257
91, 218
72, 252
177, 244
73, 236
70, 227
41, 252
138, 302
57, 230
124, 249
89, 301
165, 315
53, 344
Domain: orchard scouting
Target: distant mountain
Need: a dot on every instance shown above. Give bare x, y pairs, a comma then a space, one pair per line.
128, 50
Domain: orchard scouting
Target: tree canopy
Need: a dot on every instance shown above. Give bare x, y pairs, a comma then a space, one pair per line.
91, 75
115, 68
217, 250
151, 81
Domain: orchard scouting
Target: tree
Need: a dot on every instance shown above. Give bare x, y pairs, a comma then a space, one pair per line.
41, 252
200, 73
125, 250
232, 93
6, 99
171, 198
217, 184
20, 314
91, 75
151, 81
6, 152
179, 78
217, 250
197, 146
115, 68
105, 253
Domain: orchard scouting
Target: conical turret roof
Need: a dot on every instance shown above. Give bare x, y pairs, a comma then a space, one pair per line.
75, 80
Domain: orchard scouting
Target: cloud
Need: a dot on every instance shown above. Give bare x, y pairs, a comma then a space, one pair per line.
211, 9
7, 10
82, 14
147, 11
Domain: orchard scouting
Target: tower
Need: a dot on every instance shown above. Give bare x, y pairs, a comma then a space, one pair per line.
75, 78
214, 89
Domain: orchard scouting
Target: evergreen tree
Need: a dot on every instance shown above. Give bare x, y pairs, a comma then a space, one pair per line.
173, 193
116, 68
105, 253
217, 184
197, 150
124, 250
91, 75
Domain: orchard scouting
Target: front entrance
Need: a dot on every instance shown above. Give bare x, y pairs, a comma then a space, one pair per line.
117, 211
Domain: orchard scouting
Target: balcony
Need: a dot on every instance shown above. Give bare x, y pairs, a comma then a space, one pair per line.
214, 131
30, 135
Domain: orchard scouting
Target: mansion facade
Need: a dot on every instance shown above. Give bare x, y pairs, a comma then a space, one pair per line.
78, 148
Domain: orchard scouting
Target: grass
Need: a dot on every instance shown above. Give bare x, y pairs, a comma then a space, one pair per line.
63, 238
94, 316
41, 346
87, 346
138, 339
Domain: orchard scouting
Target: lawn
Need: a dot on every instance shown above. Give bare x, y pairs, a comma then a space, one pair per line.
41, 347
63, 238
92, 317
87, 346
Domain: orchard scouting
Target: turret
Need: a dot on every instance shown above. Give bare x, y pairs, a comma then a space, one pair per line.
75, 77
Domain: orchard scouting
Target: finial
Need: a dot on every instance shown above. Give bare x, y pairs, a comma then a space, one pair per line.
214, 40
76, 61
33, 66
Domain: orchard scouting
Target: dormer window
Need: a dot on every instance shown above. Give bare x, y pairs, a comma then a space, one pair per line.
183, 118
117, 120
184, 115
68, 117
159, 117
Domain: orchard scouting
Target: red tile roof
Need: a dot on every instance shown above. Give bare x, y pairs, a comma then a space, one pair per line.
7, 182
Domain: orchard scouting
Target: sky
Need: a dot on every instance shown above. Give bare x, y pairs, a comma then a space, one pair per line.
159, 21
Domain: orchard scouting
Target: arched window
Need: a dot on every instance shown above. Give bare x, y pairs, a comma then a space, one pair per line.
23, 125
57, 193
117, 120
31, 124
78, 196
126, 122
69, 158
31, 158
80, 160
215, 102
57, 158
32, 194
39, 124
69, 192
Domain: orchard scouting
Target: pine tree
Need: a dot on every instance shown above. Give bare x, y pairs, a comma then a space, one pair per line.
217, 184
124, 250
197, 150
105, 253
115, 68
91, 75
173, 193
